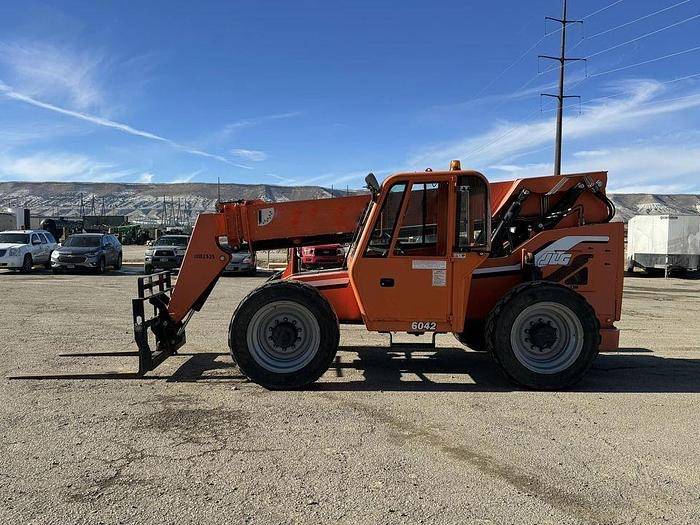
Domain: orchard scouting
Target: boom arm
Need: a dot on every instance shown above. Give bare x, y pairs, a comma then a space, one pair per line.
260, 225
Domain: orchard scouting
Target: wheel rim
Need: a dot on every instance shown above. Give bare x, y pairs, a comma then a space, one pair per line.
547, 338
283, 336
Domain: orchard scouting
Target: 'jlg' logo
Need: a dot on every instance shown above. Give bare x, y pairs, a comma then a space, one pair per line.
553, 258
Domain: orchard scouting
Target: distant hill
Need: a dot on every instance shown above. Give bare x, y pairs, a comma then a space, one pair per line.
630, 204
144, 202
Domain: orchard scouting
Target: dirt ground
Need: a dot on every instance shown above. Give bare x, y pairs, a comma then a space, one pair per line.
431, 437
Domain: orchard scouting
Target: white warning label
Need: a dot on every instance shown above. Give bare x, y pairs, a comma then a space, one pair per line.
422, 264
439, 277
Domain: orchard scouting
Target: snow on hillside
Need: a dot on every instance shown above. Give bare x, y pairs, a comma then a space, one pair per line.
141, 202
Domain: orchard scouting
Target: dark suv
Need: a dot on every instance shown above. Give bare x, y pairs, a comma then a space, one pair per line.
87, 251
166, 253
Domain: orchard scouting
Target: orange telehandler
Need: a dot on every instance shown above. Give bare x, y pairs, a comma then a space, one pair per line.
529, 270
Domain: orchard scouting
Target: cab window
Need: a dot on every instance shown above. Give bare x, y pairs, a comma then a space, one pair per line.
383, 231
423, 228
472, 214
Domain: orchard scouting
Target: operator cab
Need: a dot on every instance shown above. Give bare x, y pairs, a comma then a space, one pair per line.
425, 233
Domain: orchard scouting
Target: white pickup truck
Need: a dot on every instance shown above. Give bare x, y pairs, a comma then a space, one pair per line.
23, 249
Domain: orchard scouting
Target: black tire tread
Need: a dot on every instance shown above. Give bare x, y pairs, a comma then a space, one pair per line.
302, 377
496, 311
31, 263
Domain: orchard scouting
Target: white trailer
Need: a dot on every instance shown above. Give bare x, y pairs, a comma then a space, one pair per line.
666, 242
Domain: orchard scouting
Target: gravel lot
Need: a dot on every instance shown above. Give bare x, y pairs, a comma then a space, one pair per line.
383, 438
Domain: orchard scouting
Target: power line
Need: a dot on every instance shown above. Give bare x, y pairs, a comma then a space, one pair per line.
532, 47
503, 135
511, 66
602, 9
616, 46
615, 70
529, 81
636, 20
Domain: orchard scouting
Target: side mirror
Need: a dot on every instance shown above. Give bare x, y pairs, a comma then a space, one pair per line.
372, 185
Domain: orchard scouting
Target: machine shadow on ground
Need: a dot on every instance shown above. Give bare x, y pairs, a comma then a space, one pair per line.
631, 370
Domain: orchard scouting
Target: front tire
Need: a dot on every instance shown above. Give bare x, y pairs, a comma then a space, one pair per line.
118, 265
100, 266
284, 335
543, 335
27, 264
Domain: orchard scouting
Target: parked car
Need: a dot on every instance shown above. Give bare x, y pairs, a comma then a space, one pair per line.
23, 249
322, 256
242, 263
166, 253
88, 251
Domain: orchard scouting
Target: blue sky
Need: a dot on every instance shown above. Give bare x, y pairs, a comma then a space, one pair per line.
319, 92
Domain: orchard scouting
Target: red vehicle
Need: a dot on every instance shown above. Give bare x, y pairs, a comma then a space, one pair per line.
322, 256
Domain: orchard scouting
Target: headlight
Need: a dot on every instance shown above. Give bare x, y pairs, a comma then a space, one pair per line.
54, 255
180, 251
246, 259
149, 252
13, 252
91, 255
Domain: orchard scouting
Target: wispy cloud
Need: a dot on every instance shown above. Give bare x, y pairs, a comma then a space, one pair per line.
184, 179
145, 178
647, 167
638, 104
252, 155
592, 153
283, 180
256, 121
99, 121
59, 166
62, 74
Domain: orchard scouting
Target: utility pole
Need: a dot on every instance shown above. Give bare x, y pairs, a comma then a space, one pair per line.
562, 59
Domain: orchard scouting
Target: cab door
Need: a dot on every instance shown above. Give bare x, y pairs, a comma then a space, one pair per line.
409, 270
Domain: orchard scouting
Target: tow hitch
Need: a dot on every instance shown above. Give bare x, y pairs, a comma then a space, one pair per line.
169, 335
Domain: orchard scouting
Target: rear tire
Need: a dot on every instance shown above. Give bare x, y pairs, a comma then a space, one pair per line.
148, 269
27, 264
543, 335
118, 265
284, 335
